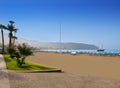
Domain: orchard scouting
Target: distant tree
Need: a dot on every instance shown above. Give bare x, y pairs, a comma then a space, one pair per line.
2, 27
10, 27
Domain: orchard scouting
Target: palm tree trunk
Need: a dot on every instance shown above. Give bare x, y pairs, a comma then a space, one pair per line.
2, 41
13, 41
10, 39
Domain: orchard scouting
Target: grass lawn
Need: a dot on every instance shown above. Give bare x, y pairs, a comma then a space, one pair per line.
12, 65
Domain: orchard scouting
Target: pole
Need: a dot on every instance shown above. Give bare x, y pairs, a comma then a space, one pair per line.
60, 34
60, 38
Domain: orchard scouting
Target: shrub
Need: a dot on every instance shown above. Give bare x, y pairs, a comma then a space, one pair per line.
20, 52
11, 51
23, 52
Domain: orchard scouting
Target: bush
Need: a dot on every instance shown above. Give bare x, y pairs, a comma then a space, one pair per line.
11, 51
20, 52
20, 61
24, 50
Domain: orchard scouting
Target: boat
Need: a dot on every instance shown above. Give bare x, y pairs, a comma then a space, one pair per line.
101, 49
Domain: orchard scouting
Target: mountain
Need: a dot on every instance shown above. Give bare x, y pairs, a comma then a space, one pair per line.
67, 46
51, 45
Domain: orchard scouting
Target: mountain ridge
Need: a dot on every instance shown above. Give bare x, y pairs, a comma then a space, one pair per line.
51, 45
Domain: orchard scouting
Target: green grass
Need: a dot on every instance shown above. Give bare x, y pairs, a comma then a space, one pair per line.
12, 65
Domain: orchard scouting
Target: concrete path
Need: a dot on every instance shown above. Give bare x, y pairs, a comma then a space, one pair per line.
4, 79
59, 80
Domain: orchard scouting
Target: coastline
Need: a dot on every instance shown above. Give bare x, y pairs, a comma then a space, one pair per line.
100, 66
104, 52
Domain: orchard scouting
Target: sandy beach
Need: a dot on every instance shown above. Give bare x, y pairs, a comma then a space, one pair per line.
99, 66
80, 71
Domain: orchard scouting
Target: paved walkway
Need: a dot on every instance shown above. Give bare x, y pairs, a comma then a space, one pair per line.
4, 79
59, 80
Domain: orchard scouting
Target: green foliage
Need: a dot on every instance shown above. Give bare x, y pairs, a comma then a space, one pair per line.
20, 53
24, 50
20, 61
12, 65
11, 51
11, 28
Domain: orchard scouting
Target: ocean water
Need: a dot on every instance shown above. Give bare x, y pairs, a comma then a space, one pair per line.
106, 51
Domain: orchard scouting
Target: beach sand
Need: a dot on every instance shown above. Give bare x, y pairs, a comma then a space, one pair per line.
98, 66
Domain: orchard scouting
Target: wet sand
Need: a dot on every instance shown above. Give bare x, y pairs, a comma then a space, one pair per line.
98, 66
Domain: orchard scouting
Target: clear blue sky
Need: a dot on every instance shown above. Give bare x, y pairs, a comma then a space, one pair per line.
83, 21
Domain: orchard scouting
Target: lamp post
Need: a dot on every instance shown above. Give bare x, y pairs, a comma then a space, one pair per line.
60, 39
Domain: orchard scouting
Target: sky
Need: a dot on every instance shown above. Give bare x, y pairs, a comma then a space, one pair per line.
82, 21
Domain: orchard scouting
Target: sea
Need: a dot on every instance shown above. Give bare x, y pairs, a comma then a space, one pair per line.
106, 51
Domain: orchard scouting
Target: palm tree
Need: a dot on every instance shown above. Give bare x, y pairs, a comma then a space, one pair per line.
11, 29
2, 34
14, 38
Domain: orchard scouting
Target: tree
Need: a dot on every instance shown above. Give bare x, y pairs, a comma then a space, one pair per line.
20, 53
2, 34
14, 38
10, 27
12, 51
23, 51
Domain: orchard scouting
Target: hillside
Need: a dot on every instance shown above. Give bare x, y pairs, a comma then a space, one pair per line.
51, 45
